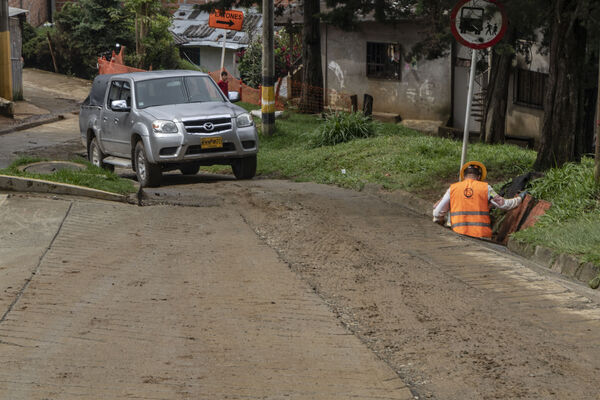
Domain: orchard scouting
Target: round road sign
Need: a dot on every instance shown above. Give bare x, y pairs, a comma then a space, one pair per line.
478, 24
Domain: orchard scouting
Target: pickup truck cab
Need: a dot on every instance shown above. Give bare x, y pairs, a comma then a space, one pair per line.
166, 120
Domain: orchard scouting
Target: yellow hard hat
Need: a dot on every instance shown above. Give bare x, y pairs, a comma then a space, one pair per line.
476, 164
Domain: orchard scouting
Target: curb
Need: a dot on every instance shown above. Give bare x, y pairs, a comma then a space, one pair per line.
564, 264
19, 184
32, 122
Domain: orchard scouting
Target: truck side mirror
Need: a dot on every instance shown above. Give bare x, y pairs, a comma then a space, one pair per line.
234, 97
119, 105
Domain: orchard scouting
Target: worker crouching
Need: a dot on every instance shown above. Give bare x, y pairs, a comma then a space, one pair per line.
469, 202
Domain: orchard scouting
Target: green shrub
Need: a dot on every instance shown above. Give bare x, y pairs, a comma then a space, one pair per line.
36, 52
287, 50
341, 127
570, 189
87, 29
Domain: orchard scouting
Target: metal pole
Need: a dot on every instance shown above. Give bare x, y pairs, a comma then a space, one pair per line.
268, 71
5, 61
597, 152
223, 50
468, 113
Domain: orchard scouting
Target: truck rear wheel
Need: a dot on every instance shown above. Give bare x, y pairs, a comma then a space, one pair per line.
95, 155
148, 174
244, 168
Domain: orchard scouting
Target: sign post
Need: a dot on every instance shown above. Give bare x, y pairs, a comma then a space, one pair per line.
223, 49
477, 24
226, 20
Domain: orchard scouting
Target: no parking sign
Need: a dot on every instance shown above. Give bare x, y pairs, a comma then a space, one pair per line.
478, 24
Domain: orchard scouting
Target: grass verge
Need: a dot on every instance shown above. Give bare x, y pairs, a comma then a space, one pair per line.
91, 176
572, 224
396, 158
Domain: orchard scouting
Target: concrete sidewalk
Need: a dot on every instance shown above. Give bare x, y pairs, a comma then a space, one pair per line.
48, 97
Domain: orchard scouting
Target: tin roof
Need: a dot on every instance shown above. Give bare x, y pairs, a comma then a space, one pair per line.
13, 12
190, 28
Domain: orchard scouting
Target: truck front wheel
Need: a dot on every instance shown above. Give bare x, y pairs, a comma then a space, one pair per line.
148, 174
244, 168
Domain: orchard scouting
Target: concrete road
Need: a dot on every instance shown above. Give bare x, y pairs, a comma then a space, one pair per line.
57, 140
454, 317
109, 301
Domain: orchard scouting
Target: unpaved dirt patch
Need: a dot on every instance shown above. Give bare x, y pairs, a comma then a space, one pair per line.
69, 150
453, 319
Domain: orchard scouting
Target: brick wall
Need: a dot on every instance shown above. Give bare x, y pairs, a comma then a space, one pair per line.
38, 10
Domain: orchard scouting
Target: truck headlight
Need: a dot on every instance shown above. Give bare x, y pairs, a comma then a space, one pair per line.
244, 120
161, 126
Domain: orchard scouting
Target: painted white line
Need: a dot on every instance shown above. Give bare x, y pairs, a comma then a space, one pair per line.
3, 198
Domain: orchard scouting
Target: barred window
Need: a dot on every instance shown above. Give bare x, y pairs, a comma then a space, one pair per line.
529, 88
383, 60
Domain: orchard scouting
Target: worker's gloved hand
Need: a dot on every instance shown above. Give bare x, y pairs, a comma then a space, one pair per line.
523, 194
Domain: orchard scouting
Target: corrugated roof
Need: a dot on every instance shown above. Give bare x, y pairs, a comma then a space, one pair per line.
178, 40
191, 26
13, 12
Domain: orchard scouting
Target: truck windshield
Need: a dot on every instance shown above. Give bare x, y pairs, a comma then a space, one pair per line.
176, 90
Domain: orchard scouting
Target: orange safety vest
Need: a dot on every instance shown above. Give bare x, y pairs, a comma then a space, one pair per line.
469, 208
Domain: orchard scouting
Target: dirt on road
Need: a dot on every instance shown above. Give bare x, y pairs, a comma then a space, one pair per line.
454, 318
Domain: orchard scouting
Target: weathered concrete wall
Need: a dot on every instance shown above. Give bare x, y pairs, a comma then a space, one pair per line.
38, 10
210, 58
522, 121
423, 92
16, 43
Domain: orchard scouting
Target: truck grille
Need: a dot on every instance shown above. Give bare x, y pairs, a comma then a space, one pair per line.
210, 125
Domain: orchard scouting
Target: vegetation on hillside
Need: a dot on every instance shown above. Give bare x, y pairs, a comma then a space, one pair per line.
87, 29
572, 224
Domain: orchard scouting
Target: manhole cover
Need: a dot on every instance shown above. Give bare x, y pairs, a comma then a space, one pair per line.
49, 167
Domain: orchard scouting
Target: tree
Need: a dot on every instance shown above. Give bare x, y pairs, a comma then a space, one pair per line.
86, 29
153, 41
563, 128
311, 98
526, 18
287, 50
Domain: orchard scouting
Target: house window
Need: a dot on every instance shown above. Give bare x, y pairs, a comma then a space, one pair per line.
383, 60
529, 88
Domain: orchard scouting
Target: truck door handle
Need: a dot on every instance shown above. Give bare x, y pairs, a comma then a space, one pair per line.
116, 120
104, 119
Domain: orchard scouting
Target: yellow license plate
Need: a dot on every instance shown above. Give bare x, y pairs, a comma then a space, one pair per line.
212, 142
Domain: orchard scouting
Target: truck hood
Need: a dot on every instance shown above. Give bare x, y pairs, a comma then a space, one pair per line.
193, 110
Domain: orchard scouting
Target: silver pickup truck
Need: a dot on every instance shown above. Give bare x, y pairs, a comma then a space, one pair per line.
166, 120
